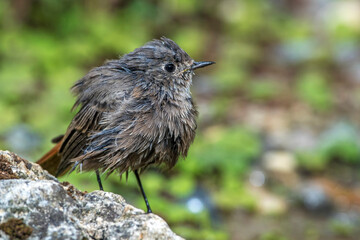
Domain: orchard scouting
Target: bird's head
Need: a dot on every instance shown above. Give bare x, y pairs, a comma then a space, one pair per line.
163, 61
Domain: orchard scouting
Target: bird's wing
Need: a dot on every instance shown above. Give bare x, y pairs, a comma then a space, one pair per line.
101, 91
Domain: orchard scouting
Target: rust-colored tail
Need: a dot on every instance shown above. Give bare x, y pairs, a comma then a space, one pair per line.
51, 160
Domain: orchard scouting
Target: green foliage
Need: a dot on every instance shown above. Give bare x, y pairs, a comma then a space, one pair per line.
196, 234
232, 194
341, 228
312, 233
339, 143
274, 235
220, 143
348, 151
181, 186
195, 47
8, 118
313, 88
313, 160
264, 90
342, 144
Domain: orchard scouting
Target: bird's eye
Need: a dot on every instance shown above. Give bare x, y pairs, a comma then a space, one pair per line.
170, 67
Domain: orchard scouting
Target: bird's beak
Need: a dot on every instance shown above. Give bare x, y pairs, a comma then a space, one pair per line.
196, 65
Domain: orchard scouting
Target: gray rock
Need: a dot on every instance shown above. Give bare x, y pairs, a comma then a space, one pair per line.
35, 205
314, 198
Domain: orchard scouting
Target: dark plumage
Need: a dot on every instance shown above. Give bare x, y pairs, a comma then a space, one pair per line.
133, 112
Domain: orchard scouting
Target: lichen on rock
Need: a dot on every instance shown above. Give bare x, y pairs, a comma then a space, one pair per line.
16, 229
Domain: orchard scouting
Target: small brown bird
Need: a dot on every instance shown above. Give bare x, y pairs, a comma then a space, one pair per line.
133, 112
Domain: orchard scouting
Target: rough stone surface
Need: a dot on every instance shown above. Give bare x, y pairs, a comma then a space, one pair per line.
35, 205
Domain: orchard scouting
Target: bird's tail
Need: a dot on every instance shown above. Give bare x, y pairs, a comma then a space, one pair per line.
51, 160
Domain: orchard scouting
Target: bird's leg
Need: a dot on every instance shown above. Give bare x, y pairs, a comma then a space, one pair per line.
99, 180
142, 192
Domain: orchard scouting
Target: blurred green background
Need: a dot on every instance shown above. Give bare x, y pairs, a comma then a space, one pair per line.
277, 151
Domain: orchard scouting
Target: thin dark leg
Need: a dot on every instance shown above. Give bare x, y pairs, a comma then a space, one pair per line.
143, 192
99, 180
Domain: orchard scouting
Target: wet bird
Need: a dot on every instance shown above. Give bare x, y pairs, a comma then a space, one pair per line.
133, 112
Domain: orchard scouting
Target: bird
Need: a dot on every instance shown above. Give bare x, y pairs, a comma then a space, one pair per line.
132, 112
